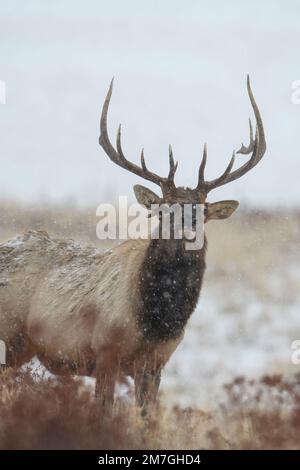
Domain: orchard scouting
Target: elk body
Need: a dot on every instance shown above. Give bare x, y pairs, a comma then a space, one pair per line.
116, 313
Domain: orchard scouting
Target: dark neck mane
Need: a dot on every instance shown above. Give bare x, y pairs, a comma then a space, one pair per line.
170, 284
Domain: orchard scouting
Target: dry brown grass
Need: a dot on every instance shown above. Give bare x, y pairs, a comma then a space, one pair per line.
263, 414
62, 414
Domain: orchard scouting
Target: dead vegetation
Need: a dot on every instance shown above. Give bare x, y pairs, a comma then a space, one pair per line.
61, 413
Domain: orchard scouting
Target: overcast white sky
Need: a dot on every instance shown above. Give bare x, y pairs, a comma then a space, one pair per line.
180, 77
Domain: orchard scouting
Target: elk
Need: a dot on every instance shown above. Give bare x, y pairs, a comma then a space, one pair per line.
115, 313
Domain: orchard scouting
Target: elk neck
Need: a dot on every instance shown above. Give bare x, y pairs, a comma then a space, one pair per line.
170, 283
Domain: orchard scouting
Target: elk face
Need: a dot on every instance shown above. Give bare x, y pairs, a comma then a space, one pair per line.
171, 194
185, 197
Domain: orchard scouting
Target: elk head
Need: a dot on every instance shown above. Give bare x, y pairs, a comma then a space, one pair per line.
172, 194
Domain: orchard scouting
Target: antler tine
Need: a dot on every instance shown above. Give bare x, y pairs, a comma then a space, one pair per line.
117, 156
173, 166
224, 175
171, 158
246, 150
257, 146
143, 163
104, 139
119, 145
202, 167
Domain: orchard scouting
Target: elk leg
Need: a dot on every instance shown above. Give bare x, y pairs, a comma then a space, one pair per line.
146, 388
105, 387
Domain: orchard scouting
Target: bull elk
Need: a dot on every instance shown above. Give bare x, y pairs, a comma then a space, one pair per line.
117, 313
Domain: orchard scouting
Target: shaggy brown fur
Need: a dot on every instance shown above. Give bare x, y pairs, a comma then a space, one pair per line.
85, 311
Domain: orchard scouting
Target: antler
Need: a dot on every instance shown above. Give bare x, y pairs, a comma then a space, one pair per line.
117, 156
257, 146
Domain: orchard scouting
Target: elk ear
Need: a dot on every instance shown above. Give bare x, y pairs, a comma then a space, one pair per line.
221, 209
145, 196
